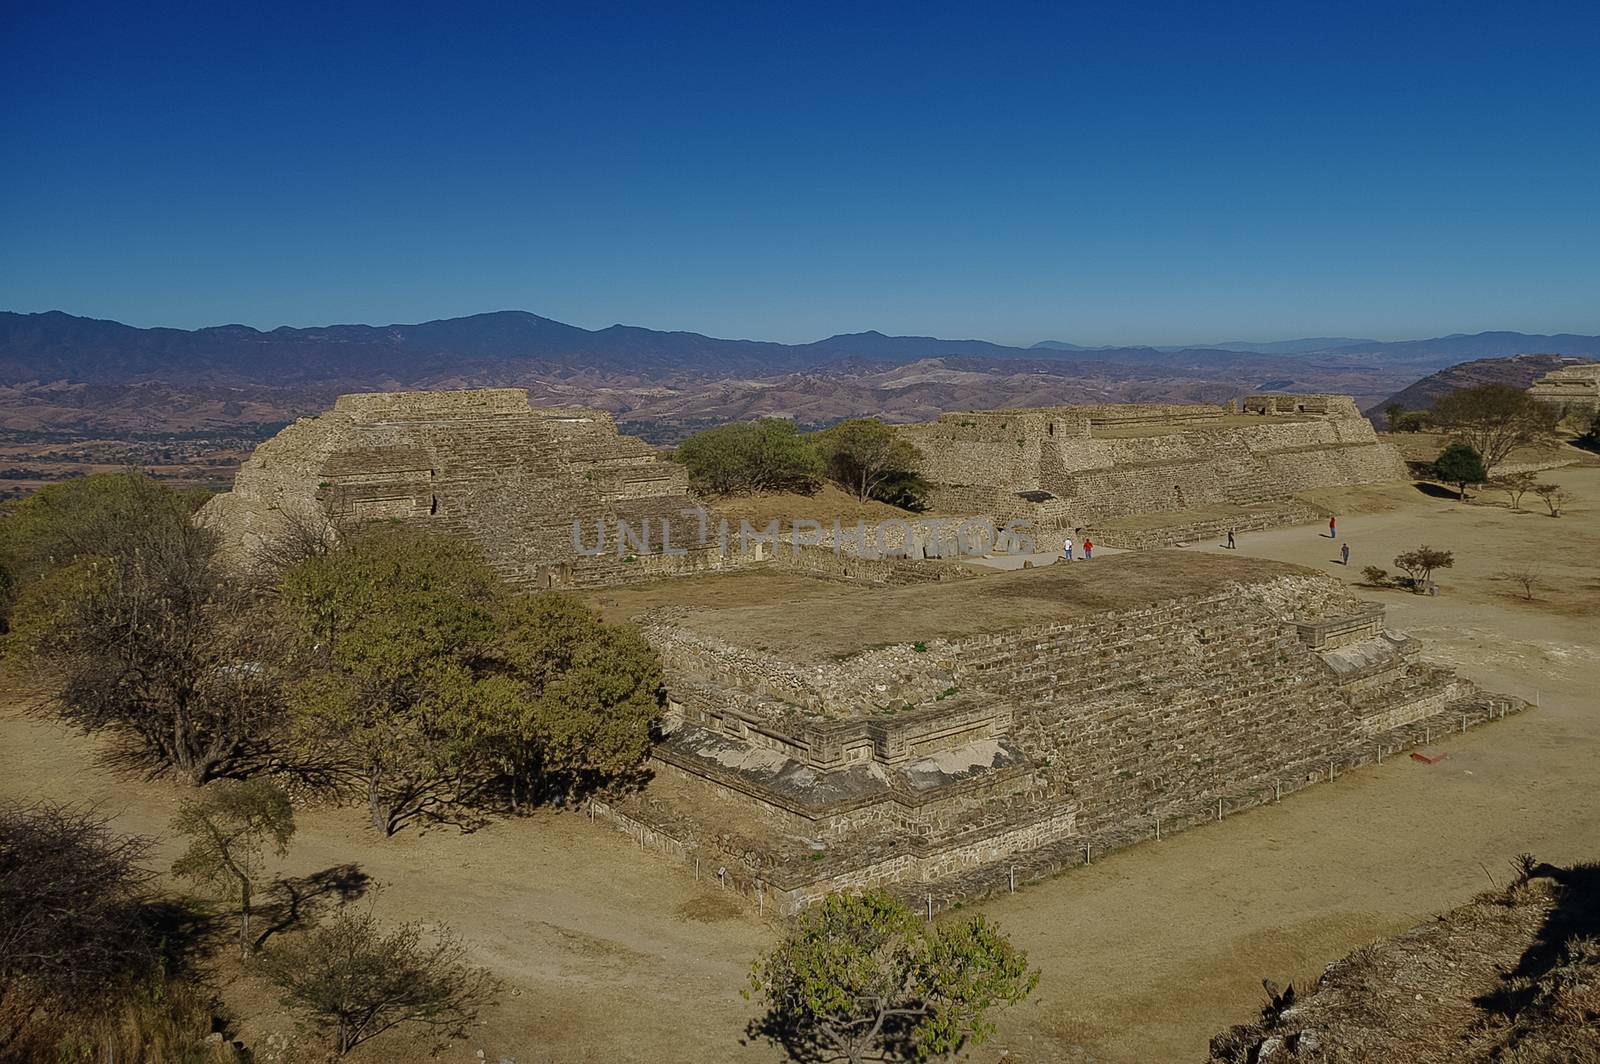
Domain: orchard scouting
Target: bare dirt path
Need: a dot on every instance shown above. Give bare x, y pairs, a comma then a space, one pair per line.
613, 956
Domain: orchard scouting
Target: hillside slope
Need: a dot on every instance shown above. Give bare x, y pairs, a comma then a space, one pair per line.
1519, 371
1512, 976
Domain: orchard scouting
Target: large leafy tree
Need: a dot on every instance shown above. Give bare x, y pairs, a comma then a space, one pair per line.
421, 678
573, 698
146, 632
1495, 419
750, 456
230, 829
863, 455
860, 976
107, 515
391, 628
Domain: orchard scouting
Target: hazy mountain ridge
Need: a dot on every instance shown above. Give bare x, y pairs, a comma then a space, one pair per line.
64, 373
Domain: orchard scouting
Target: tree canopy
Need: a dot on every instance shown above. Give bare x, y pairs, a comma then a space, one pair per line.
420, 677
751, 456
1460, 464
1495, 419
860, 975
864, 456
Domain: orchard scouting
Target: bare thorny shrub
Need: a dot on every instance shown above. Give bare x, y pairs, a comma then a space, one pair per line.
87, 963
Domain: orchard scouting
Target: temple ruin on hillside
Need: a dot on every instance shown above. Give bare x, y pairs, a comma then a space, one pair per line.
1147, 475
954, 739
1571, 389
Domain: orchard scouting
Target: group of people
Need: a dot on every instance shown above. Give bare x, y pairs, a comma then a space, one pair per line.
1088, 544
1088, 550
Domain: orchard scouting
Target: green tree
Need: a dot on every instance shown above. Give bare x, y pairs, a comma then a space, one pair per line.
572, 699
354, 981
1460, 464
750, 456
859, 975
391, 629
230, 828
1392, 414
107, 515
146, 632
1494, 419
863, 454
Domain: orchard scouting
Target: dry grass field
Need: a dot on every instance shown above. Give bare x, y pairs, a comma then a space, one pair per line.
610, 955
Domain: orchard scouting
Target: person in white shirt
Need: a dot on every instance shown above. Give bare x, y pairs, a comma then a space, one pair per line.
1066, 550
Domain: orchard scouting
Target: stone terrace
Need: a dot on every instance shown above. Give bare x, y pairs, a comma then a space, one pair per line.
934, 735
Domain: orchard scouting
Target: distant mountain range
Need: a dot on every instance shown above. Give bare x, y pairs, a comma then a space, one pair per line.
58, 346
65, 374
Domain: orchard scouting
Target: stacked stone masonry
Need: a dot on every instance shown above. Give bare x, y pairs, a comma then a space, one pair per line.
535, 488
944, 759
1237, 466
1571, 390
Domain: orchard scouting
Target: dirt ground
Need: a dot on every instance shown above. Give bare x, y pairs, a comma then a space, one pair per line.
610, 955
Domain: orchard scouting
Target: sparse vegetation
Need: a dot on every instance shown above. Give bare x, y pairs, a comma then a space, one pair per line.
230, 827
1554, 496
1515, 485
1420, 564
1526, 578
352, 980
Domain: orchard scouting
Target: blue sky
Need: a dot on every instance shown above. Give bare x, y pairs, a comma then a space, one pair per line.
1099, 173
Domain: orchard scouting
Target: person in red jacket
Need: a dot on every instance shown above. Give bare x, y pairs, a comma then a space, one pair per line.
1333, 528
1088, 550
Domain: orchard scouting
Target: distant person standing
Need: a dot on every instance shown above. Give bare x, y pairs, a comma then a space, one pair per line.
1066, 550
1088, 550
1333, 528
1344, 553
1230, 540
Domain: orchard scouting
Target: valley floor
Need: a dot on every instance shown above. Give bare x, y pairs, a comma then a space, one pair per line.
610, 955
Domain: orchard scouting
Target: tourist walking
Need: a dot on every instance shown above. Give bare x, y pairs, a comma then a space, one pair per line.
1066, 550
1088, 550
1344, 553
1230, 540
1333, 528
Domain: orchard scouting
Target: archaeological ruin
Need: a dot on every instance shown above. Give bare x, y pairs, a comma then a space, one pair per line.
955, 739
483, 464
1151, 475
1572, 389
895, 715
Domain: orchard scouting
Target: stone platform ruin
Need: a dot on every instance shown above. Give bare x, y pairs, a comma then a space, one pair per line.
482, 464
1151, 475
951, 740
1572, 389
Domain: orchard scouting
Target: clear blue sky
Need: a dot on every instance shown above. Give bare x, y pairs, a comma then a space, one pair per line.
1106, 172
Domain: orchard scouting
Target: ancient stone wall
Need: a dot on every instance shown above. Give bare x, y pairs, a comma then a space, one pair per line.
1071, 467
921, 762
1573, 389
539, 490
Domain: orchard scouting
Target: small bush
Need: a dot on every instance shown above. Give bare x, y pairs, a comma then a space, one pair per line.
1375, 576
